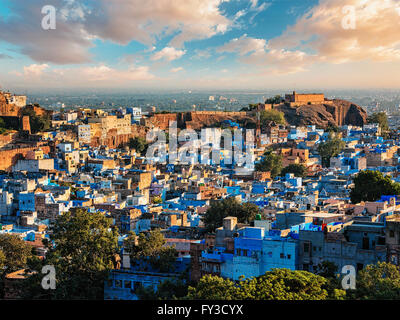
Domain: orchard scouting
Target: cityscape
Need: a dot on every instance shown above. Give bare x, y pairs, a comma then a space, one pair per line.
199, 150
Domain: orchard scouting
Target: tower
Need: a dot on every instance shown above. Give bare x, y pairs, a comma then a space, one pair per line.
26, 125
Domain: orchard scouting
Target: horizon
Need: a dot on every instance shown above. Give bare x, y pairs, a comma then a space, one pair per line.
235, 45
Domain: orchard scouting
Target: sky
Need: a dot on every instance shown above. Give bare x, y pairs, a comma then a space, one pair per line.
201, 44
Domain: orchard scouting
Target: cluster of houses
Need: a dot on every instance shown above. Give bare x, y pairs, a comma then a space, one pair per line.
304, 220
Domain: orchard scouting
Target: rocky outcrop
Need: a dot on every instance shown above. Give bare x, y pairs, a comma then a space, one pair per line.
336, 113
331, 113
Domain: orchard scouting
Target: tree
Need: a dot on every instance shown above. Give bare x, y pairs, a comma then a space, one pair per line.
272, 115
272, 162
14, 255
275, 100
37, 123
328, 270
82, 249
381, 119
378, 282
166, 290
2, 260
330, 148
231, 207
371, 185
138, 143
214, 288
16, 252
299, 170
285, 284
150, 248
278, 284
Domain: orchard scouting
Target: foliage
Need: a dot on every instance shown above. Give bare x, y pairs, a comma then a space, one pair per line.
3, 127
381, 119
16, 252
328, 270
272, 115
150, 247
330, 148
2, 260
214, 288
278, 284
371, 185
38, 123
166, 290
139, 144
14, 255
275, 100
377, 282
299, 170
251, 107
231, 207
272, 162
82, 250
157, 200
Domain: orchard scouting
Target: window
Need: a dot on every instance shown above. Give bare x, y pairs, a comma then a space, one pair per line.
391, 233
127, 284
289, 256
282, 256
118, 283
245, 252
306, 247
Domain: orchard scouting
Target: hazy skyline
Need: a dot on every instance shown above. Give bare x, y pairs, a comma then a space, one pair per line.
201, 44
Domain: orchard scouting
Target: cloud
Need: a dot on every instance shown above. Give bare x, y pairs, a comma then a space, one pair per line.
119, 21
35, 70
318, 37
87, 76
168, 54
375, 37
243, 45
175, 70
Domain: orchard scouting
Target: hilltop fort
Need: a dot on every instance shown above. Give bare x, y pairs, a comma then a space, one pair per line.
299, 109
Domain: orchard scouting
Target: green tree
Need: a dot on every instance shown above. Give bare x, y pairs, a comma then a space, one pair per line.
150, 247
37, 123
272, 115
330, 148
214, 288
299, 170
381, 119
278, 284
14, 255
82, 249
328, 270
231, 207
2, 261
378, 282
371, 185
271, 162
139, 144
166, 290
285, 284
275, 100
16, 252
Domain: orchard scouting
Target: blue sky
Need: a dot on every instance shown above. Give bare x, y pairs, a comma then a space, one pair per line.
243, 44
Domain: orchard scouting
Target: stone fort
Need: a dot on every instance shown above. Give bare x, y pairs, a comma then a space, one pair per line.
298, 99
